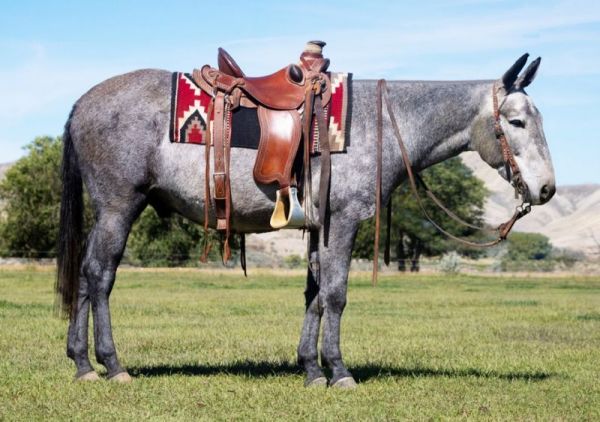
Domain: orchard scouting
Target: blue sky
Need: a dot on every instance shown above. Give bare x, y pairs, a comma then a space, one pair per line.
53, 51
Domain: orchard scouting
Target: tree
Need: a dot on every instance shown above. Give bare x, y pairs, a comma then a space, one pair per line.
171, 241
30, 197
412, 234
30, 193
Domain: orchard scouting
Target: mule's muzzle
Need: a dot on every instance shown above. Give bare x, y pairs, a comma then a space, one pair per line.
546, 193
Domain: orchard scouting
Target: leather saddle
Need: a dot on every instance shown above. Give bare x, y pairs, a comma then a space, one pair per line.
287, 102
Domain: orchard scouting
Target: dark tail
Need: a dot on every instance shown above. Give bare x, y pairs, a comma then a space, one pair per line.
70, 240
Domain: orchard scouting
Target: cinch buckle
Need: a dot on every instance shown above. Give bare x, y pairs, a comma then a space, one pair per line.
220, 187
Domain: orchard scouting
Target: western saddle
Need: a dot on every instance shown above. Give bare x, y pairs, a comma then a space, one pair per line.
290, 108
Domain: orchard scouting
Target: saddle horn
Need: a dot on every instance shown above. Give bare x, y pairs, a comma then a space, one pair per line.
296, 74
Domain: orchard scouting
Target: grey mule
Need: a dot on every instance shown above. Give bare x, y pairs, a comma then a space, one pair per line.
116, 143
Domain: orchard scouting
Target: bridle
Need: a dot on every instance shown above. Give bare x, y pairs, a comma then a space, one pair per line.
513, 174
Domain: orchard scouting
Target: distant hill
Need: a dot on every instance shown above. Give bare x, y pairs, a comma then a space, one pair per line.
3, 168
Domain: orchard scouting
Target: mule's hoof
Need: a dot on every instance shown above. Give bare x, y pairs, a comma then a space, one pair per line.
88, 376
317, 382
122, 377
345, 383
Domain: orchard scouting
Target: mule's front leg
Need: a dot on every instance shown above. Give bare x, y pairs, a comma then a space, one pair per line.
335, 264
307, 349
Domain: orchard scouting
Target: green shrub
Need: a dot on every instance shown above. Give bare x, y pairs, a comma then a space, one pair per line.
450, 263
527, 252
294, 261
567, 257
523, 246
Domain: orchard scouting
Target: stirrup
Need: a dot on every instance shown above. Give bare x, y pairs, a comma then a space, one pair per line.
288, 212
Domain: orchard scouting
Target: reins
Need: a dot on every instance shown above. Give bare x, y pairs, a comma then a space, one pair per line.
512, 168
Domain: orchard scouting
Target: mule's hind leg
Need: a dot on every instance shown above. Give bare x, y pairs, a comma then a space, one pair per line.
103, 254
307, 349
77, 341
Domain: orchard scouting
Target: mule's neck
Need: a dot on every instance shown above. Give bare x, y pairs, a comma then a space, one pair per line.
437, 120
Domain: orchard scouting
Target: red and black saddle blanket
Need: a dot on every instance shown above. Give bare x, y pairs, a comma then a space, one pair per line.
189, 106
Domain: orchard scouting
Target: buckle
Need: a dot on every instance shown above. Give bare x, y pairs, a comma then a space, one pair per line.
523, 209
498, 130
220, 185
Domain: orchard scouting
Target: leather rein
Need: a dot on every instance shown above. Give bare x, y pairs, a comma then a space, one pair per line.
512, 171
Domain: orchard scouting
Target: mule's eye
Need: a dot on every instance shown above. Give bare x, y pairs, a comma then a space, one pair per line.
517, 123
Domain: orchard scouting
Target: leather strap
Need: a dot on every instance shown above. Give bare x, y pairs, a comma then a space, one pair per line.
226, 97
307, 173
318, 86
325, 160
222, 193
243, 253
513, 173
503, 229
207, 201
388, 234
440, 205
378, 171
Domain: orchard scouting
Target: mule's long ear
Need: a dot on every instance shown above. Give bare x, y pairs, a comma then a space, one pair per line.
529, 75
512, 74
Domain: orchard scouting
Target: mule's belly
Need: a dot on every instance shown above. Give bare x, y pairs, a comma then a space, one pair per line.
180, 186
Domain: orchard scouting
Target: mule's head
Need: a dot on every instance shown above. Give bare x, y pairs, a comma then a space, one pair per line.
522, 124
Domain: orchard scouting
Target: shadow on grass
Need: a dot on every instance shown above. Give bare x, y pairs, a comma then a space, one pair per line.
361, 372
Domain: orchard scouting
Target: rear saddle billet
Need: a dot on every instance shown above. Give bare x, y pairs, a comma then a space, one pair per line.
290, 104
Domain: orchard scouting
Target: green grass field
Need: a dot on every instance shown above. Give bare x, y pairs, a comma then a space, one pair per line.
216, 346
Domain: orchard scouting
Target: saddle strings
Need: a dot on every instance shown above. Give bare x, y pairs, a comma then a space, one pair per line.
313, 106
307, 179
207, 242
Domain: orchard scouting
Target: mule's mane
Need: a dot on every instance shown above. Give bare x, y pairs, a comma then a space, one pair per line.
432, 82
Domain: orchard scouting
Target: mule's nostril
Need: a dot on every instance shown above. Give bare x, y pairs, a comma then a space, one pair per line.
547, 192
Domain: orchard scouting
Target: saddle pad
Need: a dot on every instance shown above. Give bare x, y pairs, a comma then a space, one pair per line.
337, 114
189, 107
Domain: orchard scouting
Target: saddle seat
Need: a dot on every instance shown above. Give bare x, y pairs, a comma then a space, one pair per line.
282, 90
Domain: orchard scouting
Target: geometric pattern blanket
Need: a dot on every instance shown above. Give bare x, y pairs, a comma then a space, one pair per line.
189, 105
